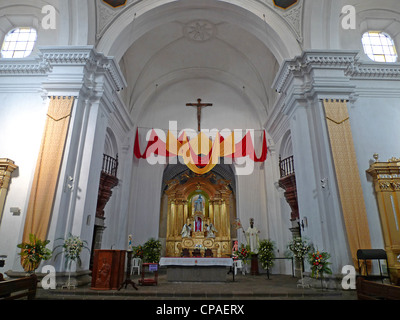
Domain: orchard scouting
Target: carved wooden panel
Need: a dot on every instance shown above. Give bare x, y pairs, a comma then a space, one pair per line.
108, 269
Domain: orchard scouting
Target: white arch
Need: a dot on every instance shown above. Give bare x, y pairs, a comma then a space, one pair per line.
146, 15
110, 143
286, 148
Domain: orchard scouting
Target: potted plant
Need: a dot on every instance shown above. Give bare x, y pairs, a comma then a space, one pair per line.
266, 254
72, 248
152, 251
33, 252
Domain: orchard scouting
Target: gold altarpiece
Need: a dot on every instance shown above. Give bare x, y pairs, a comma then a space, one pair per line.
387, 187
7, 167
182, 210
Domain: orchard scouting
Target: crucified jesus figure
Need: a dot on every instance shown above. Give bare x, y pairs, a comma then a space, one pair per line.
199, 105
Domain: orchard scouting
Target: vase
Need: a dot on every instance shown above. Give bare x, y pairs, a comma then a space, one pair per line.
245, 268
29, 266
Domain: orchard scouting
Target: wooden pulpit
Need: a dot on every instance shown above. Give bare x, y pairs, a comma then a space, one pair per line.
108, 269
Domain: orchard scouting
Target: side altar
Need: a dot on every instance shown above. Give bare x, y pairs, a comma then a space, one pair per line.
199, 217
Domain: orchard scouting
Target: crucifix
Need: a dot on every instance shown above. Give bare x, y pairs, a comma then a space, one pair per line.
199, 105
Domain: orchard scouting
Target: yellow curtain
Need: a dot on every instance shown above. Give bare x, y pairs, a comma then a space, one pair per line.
47, 168
348, 178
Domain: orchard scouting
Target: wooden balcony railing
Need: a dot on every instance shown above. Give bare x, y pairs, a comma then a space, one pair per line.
110, 165
286, 166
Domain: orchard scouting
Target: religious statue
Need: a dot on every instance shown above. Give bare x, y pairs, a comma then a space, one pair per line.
186, 231
252, 237
130, 247
198, 204
198, 224
211, 231
235, 247
199, 105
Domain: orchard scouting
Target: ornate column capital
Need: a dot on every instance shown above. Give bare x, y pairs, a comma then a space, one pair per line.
7, 167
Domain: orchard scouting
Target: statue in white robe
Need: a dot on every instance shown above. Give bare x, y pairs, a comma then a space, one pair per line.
211, 231
252, 237
186, 231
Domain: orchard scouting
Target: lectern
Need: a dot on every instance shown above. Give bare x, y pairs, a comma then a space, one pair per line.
108, 269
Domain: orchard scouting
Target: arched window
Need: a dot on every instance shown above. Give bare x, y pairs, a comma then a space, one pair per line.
19, 43
379, 46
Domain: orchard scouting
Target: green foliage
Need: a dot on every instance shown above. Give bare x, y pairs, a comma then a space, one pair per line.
319, 263
266, 253
152, 251
33, 252
299, 248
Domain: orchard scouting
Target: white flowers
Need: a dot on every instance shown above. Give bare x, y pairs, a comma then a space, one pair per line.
72, 248
299, 247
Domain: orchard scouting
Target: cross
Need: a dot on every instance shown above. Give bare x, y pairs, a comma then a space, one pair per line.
199, 105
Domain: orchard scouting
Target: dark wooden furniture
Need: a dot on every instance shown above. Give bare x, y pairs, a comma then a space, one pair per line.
149, 268
373, 254
18, 288
185, 252
370, 290
196, 253
254, 265
108, 269
128, 279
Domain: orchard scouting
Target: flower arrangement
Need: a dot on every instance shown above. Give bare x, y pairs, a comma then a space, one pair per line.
299, 248
72, 247
138, 252
33, 252
319, 263
266, 253
243, 252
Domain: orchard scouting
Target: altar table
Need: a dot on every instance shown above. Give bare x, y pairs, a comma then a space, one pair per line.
196, 269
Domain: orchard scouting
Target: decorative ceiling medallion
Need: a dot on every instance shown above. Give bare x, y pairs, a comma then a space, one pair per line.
115, 3
284, 4
199, 30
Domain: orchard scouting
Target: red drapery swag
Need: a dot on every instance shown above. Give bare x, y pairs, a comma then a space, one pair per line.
157, 146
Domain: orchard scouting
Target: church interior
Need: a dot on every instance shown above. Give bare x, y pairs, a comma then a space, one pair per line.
201, 126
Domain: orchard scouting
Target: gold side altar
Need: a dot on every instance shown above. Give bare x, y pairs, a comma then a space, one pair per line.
202, 205
387, 187
7, 167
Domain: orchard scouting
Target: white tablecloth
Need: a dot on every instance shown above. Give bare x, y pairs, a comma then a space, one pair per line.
170, 261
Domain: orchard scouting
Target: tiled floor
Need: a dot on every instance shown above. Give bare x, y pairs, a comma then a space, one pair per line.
246, 287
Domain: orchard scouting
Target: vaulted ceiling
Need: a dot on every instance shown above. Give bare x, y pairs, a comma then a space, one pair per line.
197, 47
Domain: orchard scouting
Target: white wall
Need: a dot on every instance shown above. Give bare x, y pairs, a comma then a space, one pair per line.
23, 118
375, 127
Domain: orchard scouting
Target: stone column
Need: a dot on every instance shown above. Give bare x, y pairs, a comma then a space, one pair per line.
217, 215
180, 216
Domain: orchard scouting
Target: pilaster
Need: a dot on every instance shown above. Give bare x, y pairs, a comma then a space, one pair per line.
94, 81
